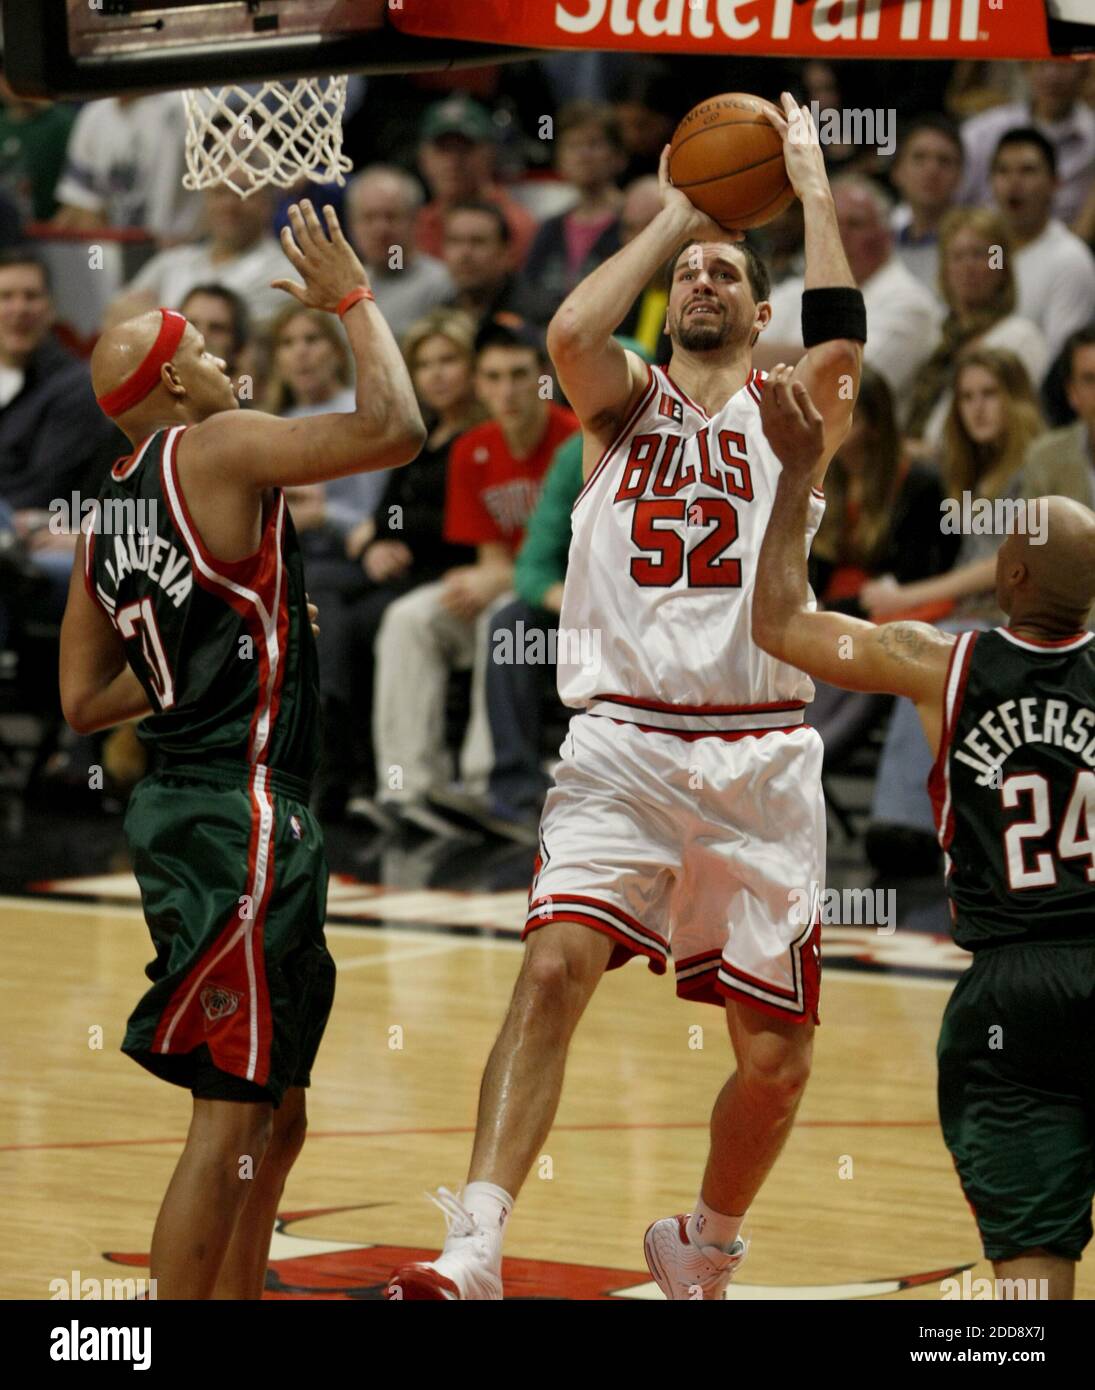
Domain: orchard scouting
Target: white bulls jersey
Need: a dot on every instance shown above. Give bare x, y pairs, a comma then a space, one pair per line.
656, 624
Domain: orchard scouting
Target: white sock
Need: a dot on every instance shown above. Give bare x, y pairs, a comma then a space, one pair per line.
493, 1206
709, 1227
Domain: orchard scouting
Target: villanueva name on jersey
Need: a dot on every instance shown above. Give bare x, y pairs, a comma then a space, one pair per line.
144, 554
1014, 723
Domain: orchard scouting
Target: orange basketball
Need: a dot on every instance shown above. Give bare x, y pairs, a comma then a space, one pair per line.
727, 158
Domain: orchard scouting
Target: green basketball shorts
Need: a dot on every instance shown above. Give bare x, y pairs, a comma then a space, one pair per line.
233, 882
1017, 1095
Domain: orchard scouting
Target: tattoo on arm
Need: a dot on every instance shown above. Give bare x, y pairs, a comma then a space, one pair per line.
902, 642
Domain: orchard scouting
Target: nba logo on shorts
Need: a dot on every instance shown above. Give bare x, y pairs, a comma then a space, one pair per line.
671, 408
219, 1002
294, 826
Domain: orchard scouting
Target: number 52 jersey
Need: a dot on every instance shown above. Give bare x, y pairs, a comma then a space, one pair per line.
657, 611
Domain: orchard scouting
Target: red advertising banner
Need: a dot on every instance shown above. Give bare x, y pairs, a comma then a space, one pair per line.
773, 28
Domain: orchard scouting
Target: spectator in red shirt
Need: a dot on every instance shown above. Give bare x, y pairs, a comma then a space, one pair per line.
494, 478
456, 159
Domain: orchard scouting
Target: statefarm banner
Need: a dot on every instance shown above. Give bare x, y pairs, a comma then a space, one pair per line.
773, 28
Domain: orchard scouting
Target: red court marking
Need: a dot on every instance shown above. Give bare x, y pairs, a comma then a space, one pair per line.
470, 1129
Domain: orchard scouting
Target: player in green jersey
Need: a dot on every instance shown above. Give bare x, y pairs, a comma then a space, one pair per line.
1012, 715
187, 611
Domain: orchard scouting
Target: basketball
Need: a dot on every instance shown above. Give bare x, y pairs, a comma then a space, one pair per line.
726, 156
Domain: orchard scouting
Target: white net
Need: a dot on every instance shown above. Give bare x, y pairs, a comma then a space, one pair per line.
276, 133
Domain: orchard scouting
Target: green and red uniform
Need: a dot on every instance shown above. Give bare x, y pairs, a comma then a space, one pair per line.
1014, 795
229, 859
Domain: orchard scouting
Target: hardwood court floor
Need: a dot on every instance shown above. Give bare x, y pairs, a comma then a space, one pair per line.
89, 1140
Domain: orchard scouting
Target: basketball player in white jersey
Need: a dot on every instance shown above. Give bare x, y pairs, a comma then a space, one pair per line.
687, 807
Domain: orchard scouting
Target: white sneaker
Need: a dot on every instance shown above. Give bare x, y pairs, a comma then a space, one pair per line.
466, 1268
684, 1270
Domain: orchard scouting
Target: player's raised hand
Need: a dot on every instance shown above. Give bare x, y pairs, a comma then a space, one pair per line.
698, 224
791, 422
320, 253
801, 148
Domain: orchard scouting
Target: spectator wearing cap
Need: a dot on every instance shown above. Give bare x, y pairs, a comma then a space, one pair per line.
381, 205
1054, 106
589, 155
494, 479
456, 159
478, 258
926, 173
1054, 269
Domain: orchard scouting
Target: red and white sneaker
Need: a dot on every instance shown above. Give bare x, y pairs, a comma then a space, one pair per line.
469, 1265
684, 1270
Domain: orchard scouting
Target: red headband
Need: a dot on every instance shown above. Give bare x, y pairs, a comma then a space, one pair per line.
147, 376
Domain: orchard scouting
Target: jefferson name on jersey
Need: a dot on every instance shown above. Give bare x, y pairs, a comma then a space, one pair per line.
161, 561
1030, 719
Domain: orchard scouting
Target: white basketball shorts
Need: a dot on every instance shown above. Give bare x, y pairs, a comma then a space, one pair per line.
709, 849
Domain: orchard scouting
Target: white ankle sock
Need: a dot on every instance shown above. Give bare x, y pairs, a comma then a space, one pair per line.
709, 1227
493, 1206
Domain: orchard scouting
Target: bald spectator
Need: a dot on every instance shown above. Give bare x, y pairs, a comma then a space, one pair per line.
456, 159
239, 253
927, 171
903, 316
381, 203
478, 258
1054, 106
1054, 269
124, 168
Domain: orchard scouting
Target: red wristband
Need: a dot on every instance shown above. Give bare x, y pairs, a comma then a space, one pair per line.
347, 303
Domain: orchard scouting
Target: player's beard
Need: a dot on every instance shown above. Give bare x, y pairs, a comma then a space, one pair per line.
704, 334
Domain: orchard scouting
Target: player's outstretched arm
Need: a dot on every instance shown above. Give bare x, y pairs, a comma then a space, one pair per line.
98, 689
386, 428
899, 659
829, 370
601, 379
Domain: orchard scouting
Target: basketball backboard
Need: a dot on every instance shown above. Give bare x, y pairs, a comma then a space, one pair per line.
86, 48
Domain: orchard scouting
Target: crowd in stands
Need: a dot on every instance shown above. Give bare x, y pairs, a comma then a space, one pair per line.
479, 201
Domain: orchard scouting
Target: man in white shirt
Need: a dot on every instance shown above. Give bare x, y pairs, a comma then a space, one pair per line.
1054, 107
1054, 269
903, 316
926, 172
381, 205
239, 253
124, 168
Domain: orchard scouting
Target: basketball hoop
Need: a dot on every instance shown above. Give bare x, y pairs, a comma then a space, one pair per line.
277, 133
